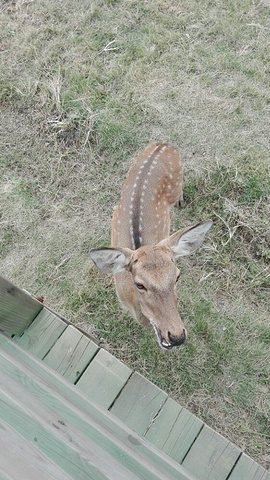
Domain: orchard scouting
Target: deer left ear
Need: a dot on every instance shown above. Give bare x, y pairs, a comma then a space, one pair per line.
184, 242
111, 260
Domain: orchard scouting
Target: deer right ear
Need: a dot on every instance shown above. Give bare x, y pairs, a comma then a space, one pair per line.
110, 260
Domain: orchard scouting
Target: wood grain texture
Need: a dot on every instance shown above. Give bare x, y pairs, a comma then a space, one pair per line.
174, 430
247, 469
17, 309
138, 403
104, 378
42, 333
19, 458
61, 442
43, 377
71, 354
211, 457
4, 475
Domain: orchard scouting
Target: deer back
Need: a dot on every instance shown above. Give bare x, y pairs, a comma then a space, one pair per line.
154, 182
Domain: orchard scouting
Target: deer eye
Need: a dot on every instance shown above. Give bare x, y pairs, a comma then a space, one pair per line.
177, 278
140, 286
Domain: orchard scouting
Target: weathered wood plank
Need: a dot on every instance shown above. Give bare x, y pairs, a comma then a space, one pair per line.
18, 309
42, 333
48, 411
104, 378
5, 476
110, 426
71, 354
247, 469
63, 444
174, 430
138, 403
15, 378
21, 459
211, 456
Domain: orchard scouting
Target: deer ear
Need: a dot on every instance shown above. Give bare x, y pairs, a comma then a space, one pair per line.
110, 260
184, 242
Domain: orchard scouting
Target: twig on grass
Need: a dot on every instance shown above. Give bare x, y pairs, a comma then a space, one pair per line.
61, 264
107, 48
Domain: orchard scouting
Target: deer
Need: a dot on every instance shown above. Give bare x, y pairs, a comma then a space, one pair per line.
142, 256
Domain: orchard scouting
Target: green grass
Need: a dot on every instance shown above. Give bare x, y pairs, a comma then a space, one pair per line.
84, 88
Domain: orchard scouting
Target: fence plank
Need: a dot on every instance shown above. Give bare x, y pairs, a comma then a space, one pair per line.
18, 309
138, 403
42, 333
247, 469
174, 430
71, 354
211, 456
104, 378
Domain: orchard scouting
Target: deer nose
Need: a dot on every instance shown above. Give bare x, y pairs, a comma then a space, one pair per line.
174, 341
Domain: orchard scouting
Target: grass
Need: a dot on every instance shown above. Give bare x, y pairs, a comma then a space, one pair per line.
82, 90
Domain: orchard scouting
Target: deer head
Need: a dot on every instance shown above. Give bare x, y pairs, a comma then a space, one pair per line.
146, 280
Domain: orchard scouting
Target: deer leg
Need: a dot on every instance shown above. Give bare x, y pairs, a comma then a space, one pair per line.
181, 202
